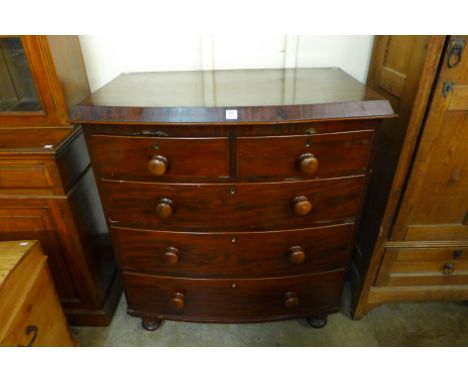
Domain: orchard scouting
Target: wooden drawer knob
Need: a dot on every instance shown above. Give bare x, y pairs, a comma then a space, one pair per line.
291, 300
447, 269
308, 163
178, 300
157, 165
165, 208
302, 205
171, 256
296, 254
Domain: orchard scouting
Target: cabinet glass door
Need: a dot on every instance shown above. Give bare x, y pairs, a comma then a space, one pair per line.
17, 89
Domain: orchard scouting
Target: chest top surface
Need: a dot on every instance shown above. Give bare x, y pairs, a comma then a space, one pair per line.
232, 96
11, 254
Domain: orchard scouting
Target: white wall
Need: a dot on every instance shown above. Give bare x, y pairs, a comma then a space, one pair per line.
107, 56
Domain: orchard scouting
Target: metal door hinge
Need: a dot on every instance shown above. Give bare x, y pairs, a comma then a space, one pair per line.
455, 50
446, 87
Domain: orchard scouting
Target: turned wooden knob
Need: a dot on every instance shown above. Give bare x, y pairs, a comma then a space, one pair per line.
178, 300
157, 165
171, 256
291, 300
296, 254
164, 208
447, 269
302, 205
308, 163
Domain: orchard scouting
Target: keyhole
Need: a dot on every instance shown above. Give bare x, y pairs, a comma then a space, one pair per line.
457, 253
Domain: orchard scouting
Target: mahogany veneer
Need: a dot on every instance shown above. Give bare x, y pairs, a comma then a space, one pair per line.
238, 254
221, 220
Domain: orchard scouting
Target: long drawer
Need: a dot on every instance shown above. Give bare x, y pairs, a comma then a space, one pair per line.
234, 254
233, 300
159, 158
233, 206
317, 155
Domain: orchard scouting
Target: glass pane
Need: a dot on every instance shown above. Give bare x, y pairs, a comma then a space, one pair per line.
17, 90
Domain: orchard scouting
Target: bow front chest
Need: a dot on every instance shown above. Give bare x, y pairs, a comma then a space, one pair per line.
232, 196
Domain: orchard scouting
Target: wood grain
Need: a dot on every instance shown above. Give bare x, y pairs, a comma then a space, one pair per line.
244, 206
459, 99
28, 299
233, 300
54, 208
239, 254
46, 191
412, 108
200, 244
382, 295
321, 94
191, 157
338, 154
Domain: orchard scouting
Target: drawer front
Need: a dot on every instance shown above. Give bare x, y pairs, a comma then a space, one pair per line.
231, 206
160, 158
320, 155
25, 177
414, 255
234, 254
39, 320
453, 231
424, 266
233, 299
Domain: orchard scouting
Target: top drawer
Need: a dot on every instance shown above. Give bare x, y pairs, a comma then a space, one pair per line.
318, 155
123, 156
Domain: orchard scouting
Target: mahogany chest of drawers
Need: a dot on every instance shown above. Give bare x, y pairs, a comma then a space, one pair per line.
232, 196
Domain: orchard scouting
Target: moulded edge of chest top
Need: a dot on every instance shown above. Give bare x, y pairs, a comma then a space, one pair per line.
230, 129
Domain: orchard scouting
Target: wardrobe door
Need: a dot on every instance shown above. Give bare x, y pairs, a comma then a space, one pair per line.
435, 204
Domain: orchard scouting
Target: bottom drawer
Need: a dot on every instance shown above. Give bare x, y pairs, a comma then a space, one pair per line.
423, 266
233, 300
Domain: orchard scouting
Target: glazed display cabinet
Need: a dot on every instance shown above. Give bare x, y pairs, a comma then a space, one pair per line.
47, 187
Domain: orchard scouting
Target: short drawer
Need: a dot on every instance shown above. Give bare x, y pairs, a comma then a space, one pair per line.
424, 266
233, 299
25, 176
236, 254
317, 155
231, 206
126, 157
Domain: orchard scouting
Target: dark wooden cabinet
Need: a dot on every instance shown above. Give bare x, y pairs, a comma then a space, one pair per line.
47, 188
224, 208
418, 249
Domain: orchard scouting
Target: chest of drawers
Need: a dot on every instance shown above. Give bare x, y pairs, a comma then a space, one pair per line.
215, 219
30, 311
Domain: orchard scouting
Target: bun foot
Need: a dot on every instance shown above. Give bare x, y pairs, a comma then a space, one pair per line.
150, 324
317, 323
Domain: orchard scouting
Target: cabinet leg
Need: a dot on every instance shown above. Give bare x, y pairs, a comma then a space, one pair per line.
150, 324
317, 322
